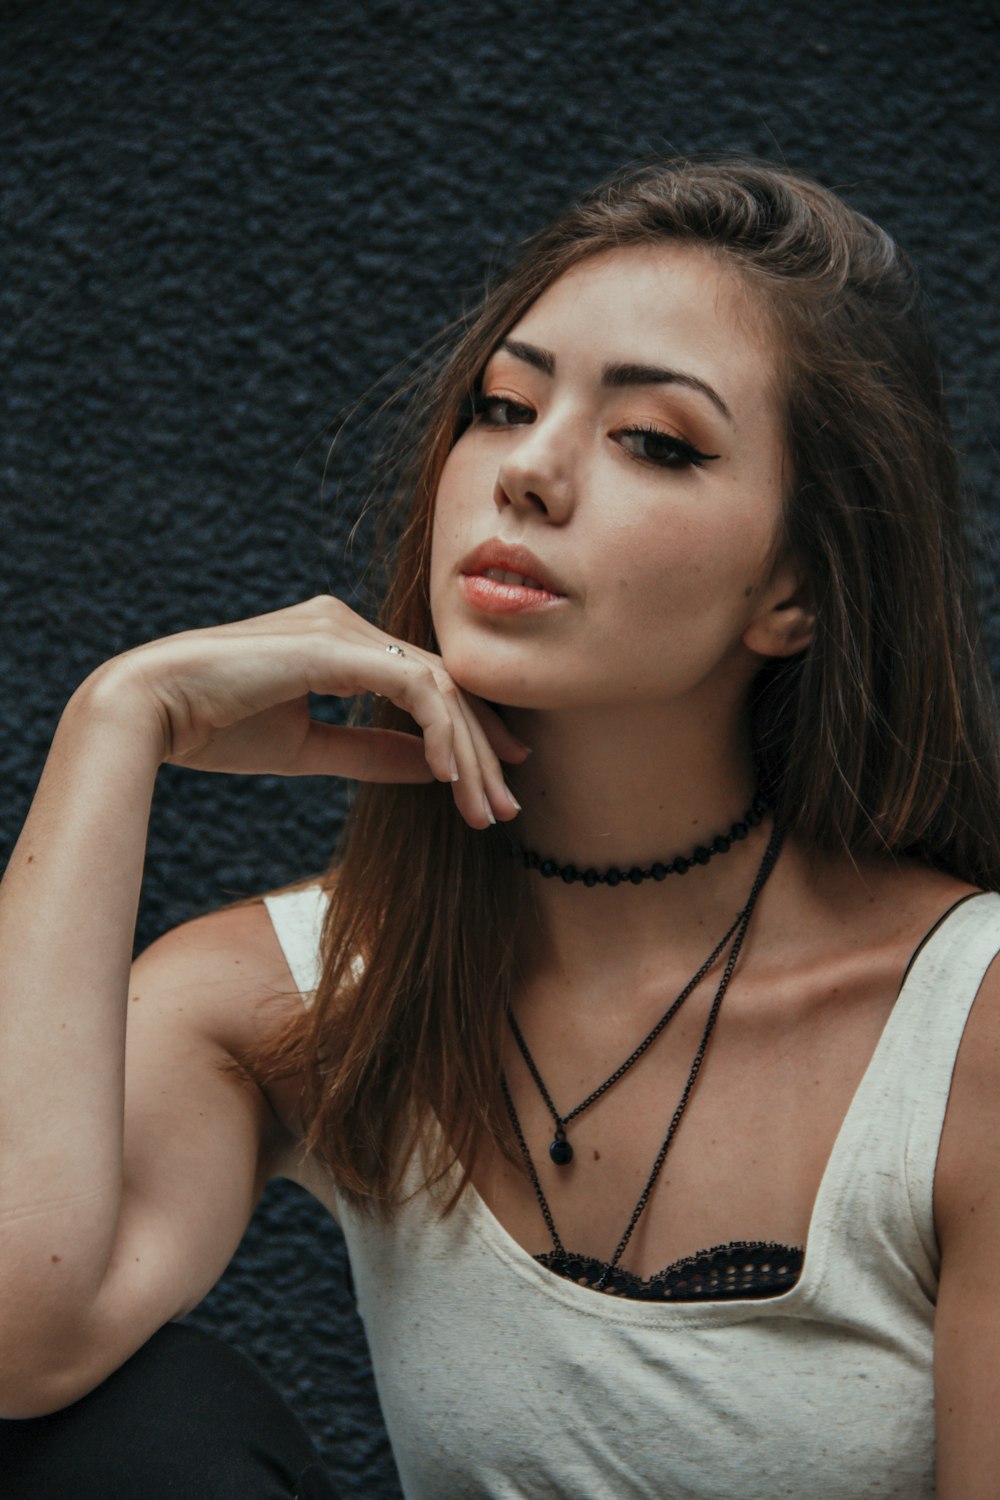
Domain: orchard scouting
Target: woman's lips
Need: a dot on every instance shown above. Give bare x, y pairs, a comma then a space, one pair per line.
495, 597
504, 578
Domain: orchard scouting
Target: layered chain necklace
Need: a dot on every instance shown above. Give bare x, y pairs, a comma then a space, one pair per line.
560, 1149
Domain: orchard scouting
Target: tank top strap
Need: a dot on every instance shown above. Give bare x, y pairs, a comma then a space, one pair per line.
878, 1187
297, 918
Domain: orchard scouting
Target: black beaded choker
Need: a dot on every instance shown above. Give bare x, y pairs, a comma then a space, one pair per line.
679, 865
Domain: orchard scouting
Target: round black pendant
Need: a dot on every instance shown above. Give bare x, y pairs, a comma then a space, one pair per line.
561, 1151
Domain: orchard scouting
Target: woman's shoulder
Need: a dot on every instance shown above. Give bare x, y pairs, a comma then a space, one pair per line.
232, 965
968, 1161
889, 911
876, 911
967, 1174
872, 894
919, 899
229, 973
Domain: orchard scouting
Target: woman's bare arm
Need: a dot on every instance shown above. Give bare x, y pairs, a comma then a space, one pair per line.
67, 920
198, 1145
967, 1212
127, 1180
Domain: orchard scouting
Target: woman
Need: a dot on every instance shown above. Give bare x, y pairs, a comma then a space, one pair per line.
645, 1172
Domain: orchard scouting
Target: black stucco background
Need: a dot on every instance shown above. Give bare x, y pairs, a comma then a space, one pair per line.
225, 222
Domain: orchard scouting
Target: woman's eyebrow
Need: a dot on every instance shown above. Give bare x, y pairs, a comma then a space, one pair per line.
620, 374
541, 359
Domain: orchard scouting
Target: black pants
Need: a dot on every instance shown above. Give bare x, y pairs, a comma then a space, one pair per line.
187, 1417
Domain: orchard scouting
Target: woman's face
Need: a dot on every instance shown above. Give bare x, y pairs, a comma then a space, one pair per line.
627, 454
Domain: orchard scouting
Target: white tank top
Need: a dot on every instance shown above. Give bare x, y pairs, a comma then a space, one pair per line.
499, 1378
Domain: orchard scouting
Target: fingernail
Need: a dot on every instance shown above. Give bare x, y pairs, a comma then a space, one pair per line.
511, 796
454, 769
489, 810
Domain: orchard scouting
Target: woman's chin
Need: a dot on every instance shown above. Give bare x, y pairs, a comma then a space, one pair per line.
504, 687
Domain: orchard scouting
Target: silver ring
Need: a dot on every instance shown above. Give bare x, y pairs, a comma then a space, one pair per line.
395, 650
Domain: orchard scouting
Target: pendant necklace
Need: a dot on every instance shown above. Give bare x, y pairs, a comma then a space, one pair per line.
560, 1149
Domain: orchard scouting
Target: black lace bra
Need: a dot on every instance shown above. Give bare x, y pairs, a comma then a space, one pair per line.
741, 1268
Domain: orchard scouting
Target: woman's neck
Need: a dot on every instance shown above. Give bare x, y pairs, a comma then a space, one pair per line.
620, 788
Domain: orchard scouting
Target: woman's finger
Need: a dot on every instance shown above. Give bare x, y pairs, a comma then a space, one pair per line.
470, 791
361, 754
480, 791
430, 696
501, 799
413, 687
503, 740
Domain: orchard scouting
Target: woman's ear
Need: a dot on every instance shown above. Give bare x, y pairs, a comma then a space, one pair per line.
785, 620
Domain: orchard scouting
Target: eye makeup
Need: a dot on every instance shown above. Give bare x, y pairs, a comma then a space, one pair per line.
645, 442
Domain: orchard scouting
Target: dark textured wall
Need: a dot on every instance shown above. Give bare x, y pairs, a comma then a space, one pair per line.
224, 222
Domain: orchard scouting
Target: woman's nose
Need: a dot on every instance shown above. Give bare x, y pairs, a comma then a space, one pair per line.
537, 474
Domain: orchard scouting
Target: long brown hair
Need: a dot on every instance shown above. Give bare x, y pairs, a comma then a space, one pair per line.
879, 739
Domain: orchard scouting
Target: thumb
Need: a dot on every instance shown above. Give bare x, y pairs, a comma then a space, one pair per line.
361, 754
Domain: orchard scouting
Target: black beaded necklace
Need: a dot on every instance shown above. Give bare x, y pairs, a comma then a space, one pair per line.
679, 865
740, 928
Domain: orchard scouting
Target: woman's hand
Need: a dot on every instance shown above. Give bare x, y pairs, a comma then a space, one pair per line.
235, 698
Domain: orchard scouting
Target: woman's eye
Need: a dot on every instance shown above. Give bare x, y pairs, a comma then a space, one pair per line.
500, 411
662, 448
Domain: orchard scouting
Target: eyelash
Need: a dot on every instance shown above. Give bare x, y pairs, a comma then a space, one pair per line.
681, 453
